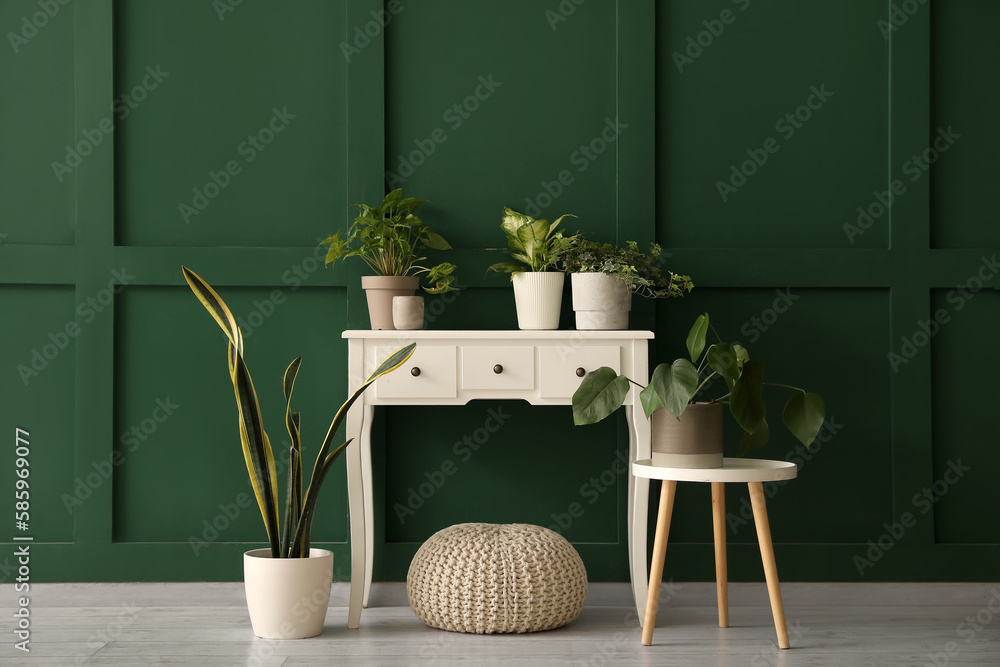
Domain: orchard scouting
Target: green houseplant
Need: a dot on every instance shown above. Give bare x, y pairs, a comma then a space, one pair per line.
390, 239
605, 277
292, 542
673, 387
537, 247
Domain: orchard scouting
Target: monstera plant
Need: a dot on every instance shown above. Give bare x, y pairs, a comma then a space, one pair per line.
674, 387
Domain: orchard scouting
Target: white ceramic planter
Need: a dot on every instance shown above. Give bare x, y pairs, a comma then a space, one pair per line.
379, 291
538, 297
287, 597
693, 442
601, 302
408, 312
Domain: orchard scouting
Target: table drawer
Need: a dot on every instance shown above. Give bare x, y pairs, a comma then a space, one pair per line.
516, 366
560, 365
432, 372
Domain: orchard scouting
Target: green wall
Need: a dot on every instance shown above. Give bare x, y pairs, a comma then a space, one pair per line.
231, 137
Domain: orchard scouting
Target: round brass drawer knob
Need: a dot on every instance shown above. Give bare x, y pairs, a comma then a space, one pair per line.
415, 371
498, 369
580, 372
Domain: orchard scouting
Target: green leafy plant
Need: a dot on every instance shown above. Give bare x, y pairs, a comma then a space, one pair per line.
675, 385
390, 238
300, 507
536, 244
640, 270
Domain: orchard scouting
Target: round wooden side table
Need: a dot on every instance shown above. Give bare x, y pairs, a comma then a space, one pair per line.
752, 471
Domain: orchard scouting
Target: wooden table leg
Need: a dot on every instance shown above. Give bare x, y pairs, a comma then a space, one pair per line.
667, 490
721, 576
767, 555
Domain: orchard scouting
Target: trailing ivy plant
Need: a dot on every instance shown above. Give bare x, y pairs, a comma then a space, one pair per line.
536, 245
675, 385
300, 506
640, 270
390, 238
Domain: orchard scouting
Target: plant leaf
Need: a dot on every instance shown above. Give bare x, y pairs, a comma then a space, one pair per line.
506, 267
746, 401
742, 356
512, 220
675, 384
436, 242
722, 359
650, 400
803, 415
751, 442
696, 337
215, 306
600, 393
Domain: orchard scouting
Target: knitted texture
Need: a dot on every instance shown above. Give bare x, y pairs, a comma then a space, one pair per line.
493, 578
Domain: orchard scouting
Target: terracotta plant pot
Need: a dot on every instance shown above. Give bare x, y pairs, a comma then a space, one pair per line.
693, 442
538, 297
601, 302
287, 597
379, 290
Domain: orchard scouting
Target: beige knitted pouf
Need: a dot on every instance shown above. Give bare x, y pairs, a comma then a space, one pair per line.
491, 578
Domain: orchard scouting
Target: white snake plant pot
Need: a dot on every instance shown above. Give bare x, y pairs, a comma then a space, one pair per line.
538, 297
694, 441
287, 597
602, 302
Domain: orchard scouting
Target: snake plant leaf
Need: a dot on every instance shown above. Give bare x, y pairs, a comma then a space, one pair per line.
650, 400
303, 529
215, 306
746, 401
751, 442
722, 358
675, 384
696, 337
599, 395
804, 415
291, 513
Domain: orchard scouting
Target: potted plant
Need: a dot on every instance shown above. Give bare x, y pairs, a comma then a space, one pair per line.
690, 436
390, 238
537, 246
605, 277
288, 583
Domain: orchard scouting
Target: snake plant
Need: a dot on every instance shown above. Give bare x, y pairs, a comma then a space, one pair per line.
293, 541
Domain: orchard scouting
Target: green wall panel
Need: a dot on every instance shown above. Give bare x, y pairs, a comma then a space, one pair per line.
251, 114
36, 125
729, 95
37, 387
965, 453
173, 354
966, 59
556, 95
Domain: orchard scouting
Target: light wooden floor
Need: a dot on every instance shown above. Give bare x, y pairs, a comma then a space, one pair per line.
207, 624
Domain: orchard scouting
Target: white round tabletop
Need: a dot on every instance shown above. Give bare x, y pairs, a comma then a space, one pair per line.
732, 470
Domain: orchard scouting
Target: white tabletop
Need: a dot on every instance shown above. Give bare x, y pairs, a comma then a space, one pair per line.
732, 470
509, 334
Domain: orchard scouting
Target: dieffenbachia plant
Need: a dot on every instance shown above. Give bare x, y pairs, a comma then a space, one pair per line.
673, 386
536, 244
293, 541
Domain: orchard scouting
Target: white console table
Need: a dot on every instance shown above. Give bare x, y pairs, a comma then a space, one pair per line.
454, 367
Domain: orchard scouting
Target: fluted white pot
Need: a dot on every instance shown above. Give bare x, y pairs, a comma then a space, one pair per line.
287, 597
694, 441
601, 301
538, 297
